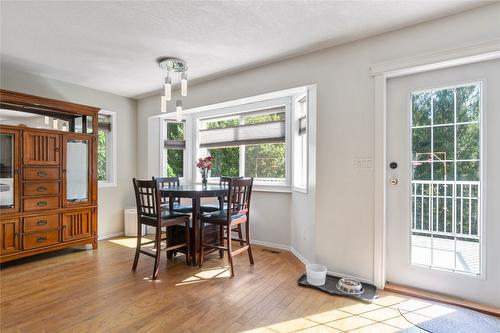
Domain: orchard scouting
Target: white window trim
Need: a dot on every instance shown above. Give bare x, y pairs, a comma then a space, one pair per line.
244, 108
113, 149
295, 128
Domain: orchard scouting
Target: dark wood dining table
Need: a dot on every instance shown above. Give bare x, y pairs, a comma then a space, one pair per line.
194, 192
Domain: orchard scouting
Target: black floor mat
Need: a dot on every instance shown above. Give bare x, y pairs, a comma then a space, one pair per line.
330, 286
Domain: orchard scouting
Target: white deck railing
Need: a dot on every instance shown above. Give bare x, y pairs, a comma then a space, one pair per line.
447, 208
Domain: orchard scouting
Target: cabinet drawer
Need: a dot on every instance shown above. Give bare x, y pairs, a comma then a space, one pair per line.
40, 188
41, 173
42, 203
39, 239
42, 222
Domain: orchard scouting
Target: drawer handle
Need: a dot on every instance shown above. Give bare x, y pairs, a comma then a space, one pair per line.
42, 203
42, 222
42, 173
41, 239
41, 188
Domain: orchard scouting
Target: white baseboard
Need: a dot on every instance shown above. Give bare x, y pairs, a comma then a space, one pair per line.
271, 245
108, 236
299, 256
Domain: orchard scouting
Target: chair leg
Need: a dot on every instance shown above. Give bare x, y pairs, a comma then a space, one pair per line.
230, 250
202, 244
240, 235
158, 253
188, 243
221, 241
138, 247
247, 233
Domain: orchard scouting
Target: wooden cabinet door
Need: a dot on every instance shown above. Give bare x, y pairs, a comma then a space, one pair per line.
41, 148
9, 241
9, 170
76, 225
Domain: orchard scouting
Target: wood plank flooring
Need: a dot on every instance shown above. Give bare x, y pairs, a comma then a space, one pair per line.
80, 290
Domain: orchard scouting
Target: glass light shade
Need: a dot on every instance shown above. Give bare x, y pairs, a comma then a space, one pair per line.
168, 88
163, 104
184, 84
178, 109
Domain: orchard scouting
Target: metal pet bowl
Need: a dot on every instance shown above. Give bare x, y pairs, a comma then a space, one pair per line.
350, 286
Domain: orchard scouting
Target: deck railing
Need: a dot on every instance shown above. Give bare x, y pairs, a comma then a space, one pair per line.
446, 208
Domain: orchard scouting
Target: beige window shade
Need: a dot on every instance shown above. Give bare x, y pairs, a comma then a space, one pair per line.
246, 134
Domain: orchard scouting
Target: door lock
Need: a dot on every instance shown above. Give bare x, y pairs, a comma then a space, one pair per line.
394, 181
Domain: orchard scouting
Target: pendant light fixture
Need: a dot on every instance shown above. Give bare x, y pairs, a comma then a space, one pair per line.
171, 66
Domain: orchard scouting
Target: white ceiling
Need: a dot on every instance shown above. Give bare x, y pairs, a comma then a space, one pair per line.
112, 46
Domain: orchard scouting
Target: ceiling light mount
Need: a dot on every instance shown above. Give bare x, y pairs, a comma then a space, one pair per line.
172, 64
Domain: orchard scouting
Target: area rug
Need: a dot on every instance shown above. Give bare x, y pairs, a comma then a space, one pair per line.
443, 318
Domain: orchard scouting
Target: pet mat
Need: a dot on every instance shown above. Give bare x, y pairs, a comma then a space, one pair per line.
330, 287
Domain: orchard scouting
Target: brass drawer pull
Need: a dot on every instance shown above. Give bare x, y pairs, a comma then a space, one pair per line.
42, 203
42, 173
41, 188
42, 222
41, 239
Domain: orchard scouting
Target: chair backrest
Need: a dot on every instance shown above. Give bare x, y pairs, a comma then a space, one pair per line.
239, 194
147, 198
224, 181
168, 182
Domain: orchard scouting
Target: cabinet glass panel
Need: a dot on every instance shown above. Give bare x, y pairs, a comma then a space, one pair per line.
6, 170
77, 171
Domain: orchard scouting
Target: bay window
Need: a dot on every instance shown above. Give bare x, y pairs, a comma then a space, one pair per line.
249, 144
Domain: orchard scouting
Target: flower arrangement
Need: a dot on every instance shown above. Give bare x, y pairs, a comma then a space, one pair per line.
205, 165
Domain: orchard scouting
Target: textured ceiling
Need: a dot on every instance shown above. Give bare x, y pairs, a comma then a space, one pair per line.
112, 46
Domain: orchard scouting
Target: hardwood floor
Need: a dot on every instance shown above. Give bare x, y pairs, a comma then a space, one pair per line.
78, 290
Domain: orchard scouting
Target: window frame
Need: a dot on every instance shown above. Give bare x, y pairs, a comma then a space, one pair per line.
185, 168
236, 110
304, 187
111, 152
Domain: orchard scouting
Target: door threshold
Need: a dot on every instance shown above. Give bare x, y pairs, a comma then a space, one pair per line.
432, 296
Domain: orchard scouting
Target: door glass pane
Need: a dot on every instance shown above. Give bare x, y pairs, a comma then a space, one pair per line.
446, 177
6, 170
77, 170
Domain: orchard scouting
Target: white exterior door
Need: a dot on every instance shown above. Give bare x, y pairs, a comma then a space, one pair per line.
443, 197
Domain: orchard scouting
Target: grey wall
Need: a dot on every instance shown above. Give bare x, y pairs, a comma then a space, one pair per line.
112, 200
344, 226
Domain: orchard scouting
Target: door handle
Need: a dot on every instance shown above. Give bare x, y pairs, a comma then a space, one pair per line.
41, 239
42, 203
42, 173
41, 188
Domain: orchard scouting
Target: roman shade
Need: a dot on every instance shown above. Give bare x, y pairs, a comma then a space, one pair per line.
245, 134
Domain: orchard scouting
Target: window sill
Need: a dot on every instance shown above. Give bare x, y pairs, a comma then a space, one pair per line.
272, 188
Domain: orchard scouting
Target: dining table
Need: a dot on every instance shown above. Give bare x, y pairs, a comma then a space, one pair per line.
194, 192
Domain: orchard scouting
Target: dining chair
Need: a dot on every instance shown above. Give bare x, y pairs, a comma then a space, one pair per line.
165, 201
237, 212
150, 213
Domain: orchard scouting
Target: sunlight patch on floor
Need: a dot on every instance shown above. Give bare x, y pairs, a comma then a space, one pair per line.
206, 274
381, 316
130, 242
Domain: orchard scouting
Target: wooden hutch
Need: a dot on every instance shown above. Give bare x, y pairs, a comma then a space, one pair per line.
48, 175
